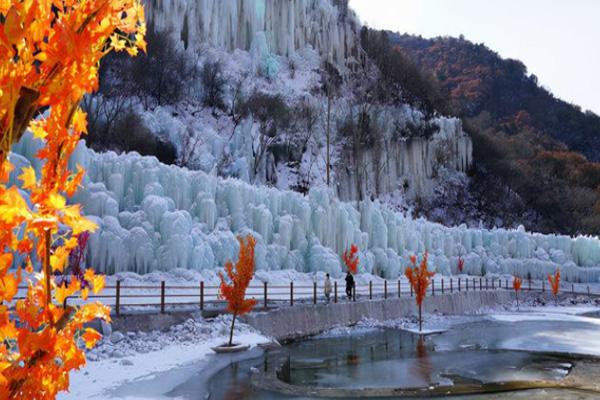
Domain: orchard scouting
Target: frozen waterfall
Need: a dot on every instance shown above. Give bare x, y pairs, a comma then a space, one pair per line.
158, 217
288, 25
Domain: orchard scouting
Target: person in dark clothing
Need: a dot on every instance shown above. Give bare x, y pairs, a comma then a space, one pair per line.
349, 285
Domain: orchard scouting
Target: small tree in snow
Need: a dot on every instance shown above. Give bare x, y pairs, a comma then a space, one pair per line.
239, 278
351, 259
517, 287
461, 265
419, 278
555, 284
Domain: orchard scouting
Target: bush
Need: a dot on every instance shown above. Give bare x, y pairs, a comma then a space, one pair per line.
213, 83
131, 134
163, 74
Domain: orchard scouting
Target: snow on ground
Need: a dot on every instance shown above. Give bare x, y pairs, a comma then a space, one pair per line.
124, 358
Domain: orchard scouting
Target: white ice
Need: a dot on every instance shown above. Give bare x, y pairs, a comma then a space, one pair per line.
153, 216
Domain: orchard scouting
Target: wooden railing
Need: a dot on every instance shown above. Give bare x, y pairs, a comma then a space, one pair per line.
203, 296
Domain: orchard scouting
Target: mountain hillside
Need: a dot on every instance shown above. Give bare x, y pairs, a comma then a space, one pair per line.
479, 80
543, 148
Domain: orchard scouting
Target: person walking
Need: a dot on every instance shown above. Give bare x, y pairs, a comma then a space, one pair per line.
327, 287
349, 285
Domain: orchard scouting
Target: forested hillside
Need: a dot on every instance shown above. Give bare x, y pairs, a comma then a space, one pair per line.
541, 147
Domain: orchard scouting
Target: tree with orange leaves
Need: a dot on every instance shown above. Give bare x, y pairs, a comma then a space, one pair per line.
350, 258
555, 284
49, 56
517, 287
235, 292
419, 278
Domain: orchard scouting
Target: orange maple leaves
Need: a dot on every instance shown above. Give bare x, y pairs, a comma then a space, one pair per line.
239, 277
555, 284
419, 278
49, 56
351, 259
517, 287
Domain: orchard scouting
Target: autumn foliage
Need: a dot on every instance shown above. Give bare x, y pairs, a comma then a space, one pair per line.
49, 56
461, 265
555, 283
419, 278
350, 258
517, 287
233, 288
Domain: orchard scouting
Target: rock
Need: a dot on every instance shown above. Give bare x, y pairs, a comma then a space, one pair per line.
118, 354
116, 337
126, 362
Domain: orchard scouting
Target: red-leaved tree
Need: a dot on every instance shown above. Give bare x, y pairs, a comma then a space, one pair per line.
517, 287
351, 259
555, 284
419, 278
461, 265
233, 288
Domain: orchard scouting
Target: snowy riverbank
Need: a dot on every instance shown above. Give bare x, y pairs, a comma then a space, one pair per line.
126, 359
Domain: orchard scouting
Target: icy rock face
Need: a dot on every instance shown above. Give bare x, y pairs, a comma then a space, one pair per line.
287, 25
153, 216
398, 161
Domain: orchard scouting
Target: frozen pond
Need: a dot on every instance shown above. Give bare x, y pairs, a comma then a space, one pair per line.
540, 350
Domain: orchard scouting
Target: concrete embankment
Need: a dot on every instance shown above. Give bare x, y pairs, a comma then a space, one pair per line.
288, 323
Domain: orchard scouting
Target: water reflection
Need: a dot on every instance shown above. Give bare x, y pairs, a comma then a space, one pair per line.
423, 367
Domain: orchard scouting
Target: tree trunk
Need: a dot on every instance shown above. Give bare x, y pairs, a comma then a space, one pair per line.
328, 131
231, 331
420, 319
517, 293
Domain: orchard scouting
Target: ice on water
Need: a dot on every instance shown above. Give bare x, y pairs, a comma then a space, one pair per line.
153, 216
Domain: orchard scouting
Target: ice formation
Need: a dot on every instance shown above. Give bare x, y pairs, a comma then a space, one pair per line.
153, 216
287, 25
408, 164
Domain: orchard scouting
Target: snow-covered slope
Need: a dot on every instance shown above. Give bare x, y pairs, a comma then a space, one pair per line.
158, 217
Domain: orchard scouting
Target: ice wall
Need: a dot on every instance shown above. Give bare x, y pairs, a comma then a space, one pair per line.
407, 164
289, 25
158, 217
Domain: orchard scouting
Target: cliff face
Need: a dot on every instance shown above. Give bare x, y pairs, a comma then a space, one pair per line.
409, 165
288, 25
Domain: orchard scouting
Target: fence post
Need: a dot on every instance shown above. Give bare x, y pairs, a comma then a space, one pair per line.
202, 295
442, 285
433, 287
529, 284
480, 284
266, 298
543, 286
492, 283
291, 293
486, 284
467, 282
451, 288
314, 292
162, 297
118, 298
506, 283
573, 289
474, 285
399, 289
370, 290
335, 291
459, 284
385, 289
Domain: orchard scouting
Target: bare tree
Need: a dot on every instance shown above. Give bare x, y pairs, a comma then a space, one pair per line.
332, 80
213, 84
189, 144
274, 118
